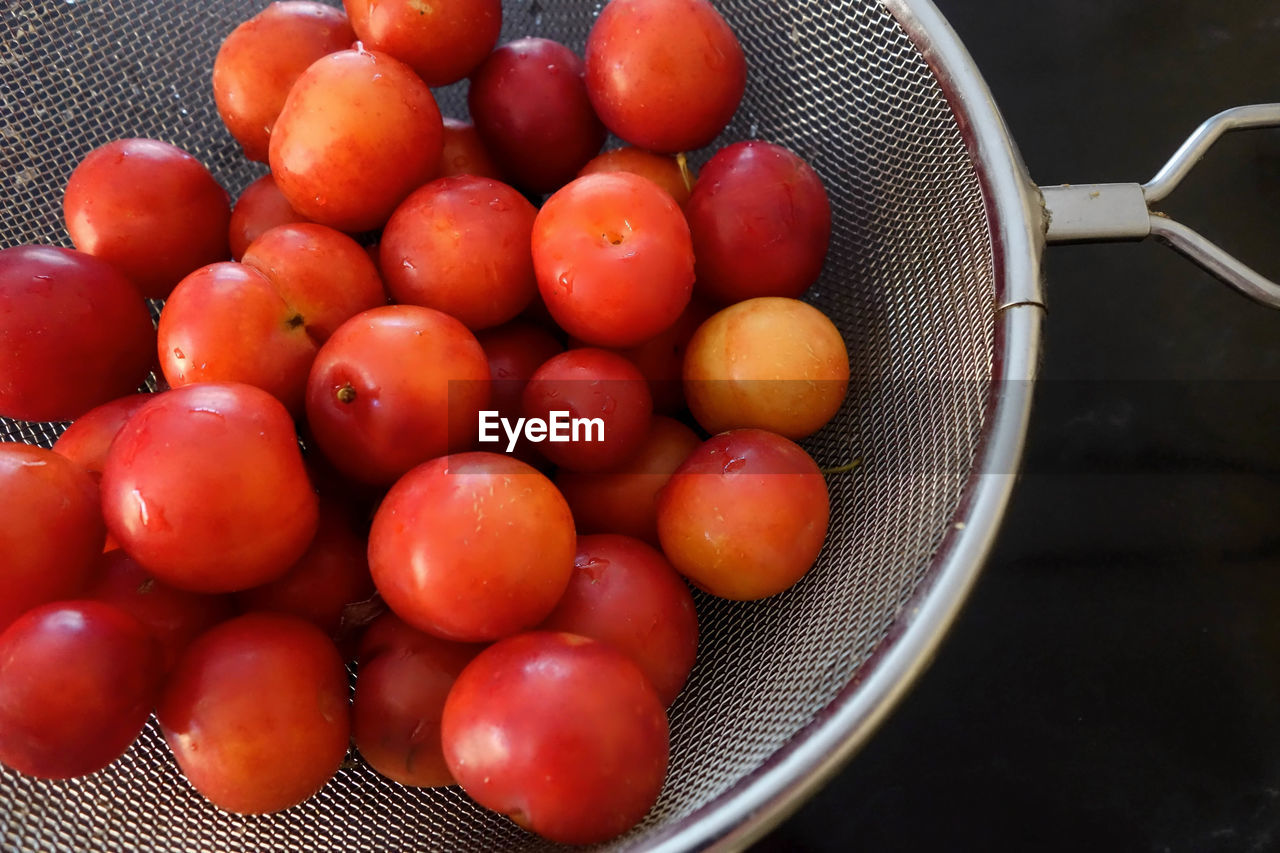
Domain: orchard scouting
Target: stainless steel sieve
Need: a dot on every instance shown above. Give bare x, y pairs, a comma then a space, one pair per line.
933, 278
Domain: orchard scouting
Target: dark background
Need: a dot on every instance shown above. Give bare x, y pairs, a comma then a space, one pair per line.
1114, 681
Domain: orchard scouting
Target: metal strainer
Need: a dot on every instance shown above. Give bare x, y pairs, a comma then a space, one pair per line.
933, 278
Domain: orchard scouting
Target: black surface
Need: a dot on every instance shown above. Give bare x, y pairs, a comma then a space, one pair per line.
1114, 681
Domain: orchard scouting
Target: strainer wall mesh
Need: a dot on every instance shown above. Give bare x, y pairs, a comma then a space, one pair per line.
910, 281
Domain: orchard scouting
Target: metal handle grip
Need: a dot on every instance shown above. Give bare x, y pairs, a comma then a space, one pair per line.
1087, 213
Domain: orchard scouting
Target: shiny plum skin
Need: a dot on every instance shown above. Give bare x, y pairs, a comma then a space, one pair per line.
77, 682
256, 713
149, 209
665, 75
333, 573
761, 223
530, 107
227, 323
52, 533
87, 441
593, 384
261, 59
625, 500
358, 132
205, 487
745, 516
662, 169
260, 208
472, 547
768, 363
261, 322
442, 40
461, 245
74, 334
464, 153
396, 714
583, 736
625, 593
174, 617
661, 358
399, 699
374, 419
322, 273
614, 259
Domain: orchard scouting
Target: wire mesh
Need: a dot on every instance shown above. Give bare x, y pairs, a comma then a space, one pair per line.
910, 282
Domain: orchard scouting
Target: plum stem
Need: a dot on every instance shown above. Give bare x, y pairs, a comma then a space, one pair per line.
843, 469
347, 393
685, 175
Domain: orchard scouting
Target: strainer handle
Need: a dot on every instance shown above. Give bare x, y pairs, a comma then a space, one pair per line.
1091, 213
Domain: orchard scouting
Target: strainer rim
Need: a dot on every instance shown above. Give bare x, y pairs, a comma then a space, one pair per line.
770, 793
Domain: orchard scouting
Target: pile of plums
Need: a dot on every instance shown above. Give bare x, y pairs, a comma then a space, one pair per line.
528, 422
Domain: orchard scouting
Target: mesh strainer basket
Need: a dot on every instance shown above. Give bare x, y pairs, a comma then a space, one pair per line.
933, 278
